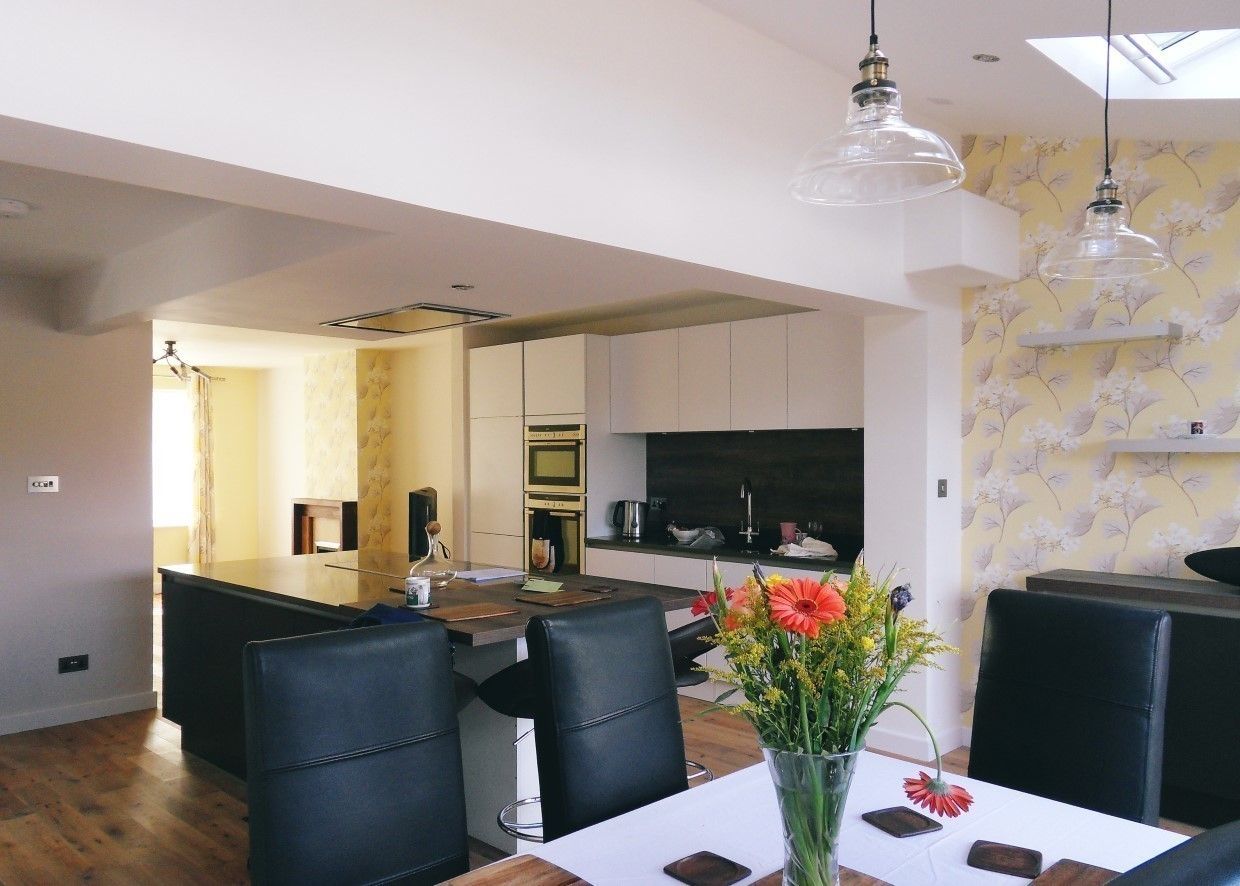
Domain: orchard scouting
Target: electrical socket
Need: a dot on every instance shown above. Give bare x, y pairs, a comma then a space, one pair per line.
71, 663
658, 503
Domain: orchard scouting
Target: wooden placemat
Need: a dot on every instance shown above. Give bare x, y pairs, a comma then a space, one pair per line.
470, 610
1067, 872
528, 870
848, 877
560, 598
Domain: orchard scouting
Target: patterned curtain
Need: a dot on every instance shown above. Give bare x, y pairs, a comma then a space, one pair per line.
202, 520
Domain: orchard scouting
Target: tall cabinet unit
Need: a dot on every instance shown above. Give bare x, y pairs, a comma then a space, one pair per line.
564, 380
496, 423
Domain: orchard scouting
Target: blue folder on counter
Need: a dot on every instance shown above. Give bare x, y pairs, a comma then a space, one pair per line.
383, 614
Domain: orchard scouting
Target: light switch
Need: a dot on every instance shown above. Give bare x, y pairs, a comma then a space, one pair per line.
942, 489
43, 484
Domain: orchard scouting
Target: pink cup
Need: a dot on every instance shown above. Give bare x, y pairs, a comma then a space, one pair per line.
788, 532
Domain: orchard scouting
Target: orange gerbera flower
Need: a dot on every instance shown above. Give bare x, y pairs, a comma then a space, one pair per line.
802, 605
938, 796
738, 605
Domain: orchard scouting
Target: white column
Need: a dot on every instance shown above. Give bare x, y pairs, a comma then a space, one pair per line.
912, 418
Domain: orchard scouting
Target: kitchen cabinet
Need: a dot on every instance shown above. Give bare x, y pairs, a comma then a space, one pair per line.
682, 572
620, 564
496, 475
555, 375
495, 381
825, 357
759, 374
497, 550
704, 383
643, 382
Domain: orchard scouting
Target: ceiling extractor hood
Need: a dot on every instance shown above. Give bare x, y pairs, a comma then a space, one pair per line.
419, 317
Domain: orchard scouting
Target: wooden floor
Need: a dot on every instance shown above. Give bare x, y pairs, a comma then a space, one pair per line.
114, 800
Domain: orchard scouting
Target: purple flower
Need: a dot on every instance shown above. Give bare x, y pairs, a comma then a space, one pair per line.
900, 597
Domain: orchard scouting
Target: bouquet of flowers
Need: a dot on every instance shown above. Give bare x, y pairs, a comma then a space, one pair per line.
817, 662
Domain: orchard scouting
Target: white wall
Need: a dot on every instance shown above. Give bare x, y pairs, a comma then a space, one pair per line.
75, 567
281, 456
424, 413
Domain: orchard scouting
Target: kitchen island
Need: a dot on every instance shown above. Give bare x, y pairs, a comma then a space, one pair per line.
212, 610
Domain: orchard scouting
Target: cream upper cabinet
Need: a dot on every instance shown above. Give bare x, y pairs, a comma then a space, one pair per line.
825, 384
759, 373
555, 375
495, 381
643, 382
496, 475
704, 382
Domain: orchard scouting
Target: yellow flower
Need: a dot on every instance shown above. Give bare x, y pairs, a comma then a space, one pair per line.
867, 643
772, 695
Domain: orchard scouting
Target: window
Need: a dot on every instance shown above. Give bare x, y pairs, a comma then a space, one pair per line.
172, 450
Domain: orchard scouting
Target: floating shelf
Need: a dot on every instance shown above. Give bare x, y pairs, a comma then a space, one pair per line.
1171, 444
1100, 335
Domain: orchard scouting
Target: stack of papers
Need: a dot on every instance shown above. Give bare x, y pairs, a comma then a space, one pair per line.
492, 573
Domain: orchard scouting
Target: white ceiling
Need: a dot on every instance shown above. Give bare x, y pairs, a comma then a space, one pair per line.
557, 282
931, 47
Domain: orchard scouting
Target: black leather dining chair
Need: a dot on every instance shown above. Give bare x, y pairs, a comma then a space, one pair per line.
354, 758
607, 720
464, 688
511, 690
1070, 702
1211, 858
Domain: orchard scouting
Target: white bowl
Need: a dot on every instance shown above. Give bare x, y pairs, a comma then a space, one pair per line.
684, 536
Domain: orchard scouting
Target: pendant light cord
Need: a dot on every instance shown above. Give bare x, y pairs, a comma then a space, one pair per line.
1106, 104
873, 29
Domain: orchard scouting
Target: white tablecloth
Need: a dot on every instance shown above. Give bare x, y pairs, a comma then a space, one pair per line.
737, 817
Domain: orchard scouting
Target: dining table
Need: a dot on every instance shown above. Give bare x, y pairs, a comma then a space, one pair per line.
736, 816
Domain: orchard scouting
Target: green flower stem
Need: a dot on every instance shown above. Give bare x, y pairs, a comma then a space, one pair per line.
938, 759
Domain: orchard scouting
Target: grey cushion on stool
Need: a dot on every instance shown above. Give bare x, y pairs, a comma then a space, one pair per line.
1071, 698
354, 759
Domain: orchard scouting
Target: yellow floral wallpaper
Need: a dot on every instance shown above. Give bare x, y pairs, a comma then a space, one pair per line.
1041, 490
331, 427
374, 457
348, 431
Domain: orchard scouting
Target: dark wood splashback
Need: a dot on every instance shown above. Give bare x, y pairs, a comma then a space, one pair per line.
795, 475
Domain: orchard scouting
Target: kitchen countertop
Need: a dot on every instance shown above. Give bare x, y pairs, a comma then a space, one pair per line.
345, 583
726, 553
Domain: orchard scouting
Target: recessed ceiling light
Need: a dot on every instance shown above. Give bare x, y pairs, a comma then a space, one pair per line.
10, 208
985, 57
462, 287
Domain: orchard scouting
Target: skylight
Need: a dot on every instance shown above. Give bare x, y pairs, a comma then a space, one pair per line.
1162, 65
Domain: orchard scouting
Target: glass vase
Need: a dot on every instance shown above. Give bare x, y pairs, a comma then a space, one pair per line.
812, 790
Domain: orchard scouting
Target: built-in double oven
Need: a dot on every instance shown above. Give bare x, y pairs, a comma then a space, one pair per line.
555, 498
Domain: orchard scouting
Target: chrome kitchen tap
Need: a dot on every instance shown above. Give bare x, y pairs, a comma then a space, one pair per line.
749, 529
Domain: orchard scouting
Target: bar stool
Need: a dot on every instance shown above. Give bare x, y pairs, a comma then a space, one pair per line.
512, 692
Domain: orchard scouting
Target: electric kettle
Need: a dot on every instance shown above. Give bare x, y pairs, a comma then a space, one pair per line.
630, 518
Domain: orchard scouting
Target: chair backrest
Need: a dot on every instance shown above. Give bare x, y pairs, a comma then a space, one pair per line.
1070, 703
1211, 858
353, 758
607, 720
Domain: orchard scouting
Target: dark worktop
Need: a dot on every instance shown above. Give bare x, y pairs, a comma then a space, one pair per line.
726, 554
1152, 589
349, 582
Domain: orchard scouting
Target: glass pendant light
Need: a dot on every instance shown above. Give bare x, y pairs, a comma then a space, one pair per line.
877, 157
1105, 248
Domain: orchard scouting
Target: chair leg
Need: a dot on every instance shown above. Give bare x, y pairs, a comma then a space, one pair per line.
698, 770
527, 830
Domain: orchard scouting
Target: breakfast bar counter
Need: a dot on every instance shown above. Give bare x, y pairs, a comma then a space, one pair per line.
212, 610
